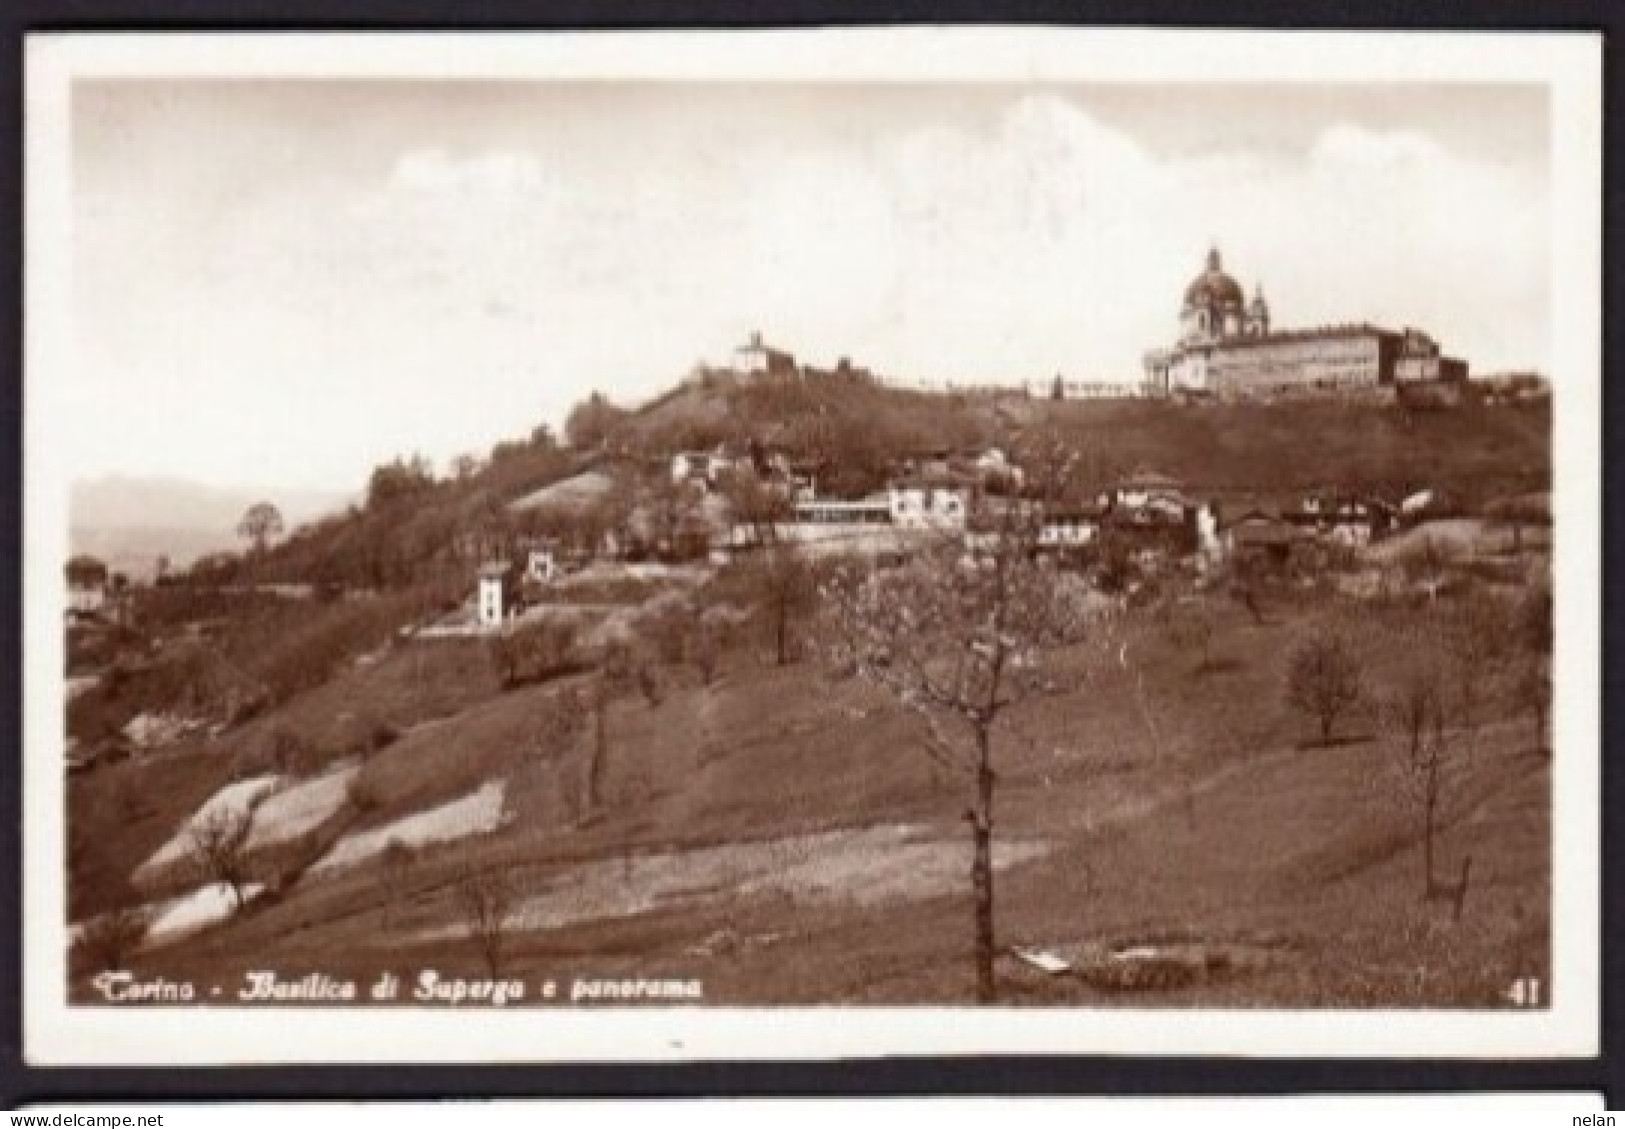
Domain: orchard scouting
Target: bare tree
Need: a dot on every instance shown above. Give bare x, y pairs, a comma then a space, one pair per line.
1324, 679
1413, 710
962, 641
217, 845
1416, 711
484, 898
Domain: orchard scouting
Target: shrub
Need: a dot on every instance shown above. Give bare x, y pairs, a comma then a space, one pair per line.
288, 752
537, 652
361, 793
108, 940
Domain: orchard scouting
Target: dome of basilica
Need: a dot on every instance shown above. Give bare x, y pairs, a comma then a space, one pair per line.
1213, 287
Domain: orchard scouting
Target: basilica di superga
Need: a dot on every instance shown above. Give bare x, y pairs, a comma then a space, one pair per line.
1227, 348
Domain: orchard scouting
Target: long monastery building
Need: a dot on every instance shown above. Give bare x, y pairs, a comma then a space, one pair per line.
1227, 348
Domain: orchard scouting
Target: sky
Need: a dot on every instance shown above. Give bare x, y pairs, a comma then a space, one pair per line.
316, 276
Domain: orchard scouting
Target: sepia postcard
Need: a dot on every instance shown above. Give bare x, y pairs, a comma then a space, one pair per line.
811, 544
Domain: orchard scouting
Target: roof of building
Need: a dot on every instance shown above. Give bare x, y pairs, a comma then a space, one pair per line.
1319, 332
1213, 286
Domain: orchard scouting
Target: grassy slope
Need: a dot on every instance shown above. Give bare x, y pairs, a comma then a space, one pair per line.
126, 812
1230, 828
1252, 446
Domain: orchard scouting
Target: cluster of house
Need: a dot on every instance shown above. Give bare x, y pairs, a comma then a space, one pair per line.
966, 495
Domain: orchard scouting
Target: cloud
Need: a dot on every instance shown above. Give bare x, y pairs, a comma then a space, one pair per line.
453, 297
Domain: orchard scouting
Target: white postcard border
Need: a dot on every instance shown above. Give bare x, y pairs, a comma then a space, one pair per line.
1569, 64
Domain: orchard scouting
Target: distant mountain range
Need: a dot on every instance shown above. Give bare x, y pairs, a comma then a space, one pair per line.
130, 521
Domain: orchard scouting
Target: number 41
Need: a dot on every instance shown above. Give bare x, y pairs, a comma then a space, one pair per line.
1525, 992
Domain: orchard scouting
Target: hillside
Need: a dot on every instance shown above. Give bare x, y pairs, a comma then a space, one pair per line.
413, 527
1236, 446
777, 834
672, 768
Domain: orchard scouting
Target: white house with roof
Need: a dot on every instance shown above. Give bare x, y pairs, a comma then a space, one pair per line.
491, 600
756, 358
927, 507
705, 467
1145, 488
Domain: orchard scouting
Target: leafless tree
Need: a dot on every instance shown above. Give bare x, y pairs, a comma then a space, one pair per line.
1416, 712
217, 845
484, 898
1324, 679
1413, 711
961, 641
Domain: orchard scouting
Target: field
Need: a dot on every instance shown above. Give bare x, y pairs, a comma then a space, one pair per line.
1170, 829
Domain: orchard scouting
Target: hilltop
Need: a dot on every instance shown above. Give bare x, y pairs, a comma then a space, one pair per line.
1228, 446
